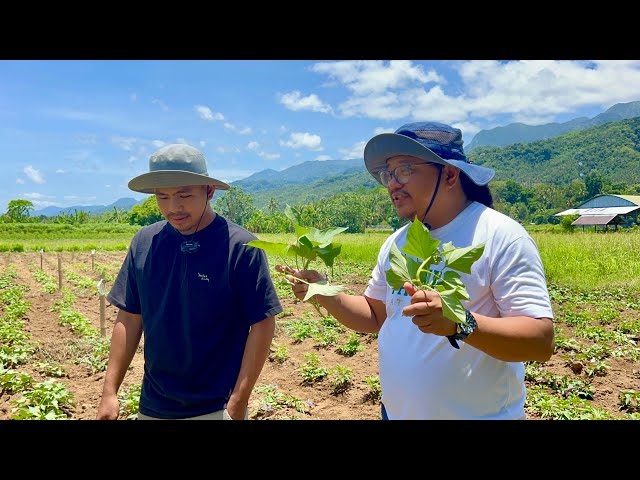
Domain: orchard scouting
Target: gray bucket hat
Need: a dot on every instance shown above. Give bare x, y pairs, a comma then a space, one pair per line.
175, 165
430, 141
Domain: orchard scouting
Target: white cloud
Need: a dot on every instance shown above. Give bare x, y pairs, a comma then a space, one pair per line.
125, 143
375, 76
207, 114
19, 181
223, 150
322, 158
238, 130
295, 101
529, 91
162, 105
379, 130
34, 175
303, 140
356, 151
253, 145
59, 170
268, 156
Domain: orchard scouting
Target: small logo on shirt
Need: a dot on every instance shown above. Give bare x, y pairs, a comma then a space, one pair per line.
203, 277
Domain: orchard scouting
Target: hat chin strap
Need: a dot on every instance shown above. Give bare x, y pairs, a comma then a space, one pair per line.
433, 197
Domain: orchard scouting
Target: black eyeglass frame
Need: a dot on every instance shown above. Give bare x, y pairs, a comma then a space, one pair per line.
392, 173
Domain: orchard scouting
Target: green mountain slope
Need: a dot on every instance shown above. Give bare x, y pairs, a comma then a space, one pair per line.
522, 133
611, 150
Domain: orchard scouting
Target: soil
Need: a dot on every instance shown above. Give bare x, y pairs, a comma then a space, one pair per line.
315, 401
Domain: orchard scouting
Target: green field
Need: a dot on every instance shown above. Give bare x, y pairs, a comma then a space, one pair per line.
584, 260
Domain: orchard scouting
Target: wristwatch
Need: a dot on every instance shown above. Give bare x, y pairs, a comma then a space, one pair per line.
462, 330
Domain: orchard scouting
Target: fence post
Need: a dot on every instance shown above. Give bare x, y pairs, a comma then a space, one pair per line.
103, 323
93, 253
59, 271
41, 252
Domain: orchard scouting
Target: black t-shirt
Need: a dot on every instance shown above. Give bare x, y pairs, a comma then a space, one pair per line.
197, 309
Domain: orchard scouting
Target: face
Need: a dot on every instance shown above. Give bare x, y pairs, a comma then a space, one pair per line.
411, 199
183, 207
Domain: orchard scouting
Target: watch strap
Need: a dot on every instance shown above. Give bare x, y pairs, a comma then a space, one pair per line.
463, 331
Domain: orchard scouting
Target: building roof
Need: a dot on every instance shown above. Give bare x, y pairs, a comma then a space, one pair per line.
631, 198
594, 219
598, 211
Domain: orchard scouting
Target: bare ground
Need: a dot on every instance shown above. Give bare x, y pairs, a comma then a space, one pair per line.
282, 374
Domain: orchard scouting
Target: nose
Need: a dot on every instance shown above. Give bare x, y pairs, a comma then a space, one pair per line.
175, 204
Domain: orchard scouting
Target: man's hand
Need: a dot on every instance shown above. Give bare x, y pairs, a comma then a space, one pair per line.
109, 408
426, 310
299, 279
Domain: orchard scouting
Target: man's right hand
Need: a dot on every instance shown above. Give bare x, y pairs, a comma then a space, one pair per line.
109, 408
300, 279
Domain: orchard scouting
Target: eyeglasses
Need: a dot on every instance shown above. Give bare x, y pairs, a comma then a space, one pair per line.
401, 173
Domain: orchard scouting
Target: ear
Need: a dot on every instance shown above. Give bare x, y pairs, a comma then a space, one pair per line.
451, 175
210, 191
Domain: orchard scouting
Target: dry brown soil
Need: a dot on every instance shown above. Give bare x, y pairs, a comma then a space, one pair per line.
58, 343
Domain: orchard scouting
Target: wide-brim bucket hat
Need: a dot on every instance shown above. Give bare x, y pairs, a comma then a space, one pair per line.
175, 165
430, 141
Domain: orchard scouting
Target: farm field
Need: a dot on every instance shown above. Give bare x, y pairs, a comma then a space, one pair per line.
54, 355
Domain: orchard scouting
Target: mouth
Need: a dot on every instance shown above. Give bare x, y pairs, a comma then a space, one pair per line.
178, 218
398, 196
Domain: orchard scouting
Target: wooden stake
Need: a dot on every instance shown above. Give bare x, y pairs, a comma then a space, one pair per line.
59, 272
103, 323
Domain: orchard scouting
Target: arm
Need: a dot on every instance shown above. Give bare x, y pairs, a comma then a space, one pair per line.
124, 342
510, 339
357, 312
514, 339
255, 354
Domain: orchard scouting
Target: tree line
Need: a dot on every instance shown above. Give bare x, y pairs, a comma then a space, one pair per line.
536, 203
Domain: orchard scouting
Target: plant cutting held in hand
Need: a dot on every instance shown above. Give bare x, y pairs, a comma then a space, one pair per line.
311, 245
423, 274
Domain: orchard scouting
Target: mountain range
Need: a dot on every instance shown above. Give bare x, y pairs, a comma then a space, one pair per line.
121, 204
522, 133
548, 157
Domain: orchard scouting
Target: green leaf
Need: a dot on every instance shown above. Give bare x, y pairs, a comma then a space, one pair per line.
329, 252
451, 307
323, 288
451, 281
398, 273
447, 282
304, 249
461, 259
274, 248
420, 244
323, 237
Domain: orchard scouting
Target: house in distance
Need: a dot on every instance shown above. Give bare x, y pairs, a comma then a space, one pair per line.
606, 210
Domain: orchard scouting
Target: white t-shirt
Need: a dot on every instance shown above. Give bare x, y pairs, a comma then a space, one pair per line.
422, 376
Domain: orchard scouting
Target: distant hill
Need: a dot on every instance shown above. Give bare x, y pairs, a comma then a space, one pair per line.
306, 182
611, 150
303, 173
122, 203
522, 133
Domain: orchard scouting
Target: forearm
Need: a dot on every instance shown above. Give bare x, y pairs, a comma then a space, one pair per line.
124, 341
513, 339
255, 355
354, 311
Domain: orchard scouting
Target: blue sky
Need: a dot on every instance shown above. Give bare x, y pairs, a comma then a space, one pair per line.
74, 132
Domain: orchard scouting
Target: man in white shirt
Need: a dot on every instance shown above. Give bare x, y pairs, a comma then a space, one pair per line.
509, 314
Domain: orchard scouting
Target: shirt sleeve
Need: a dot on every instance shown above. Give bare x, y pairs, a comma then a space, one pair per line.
518, 281
253, 278
124, 293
